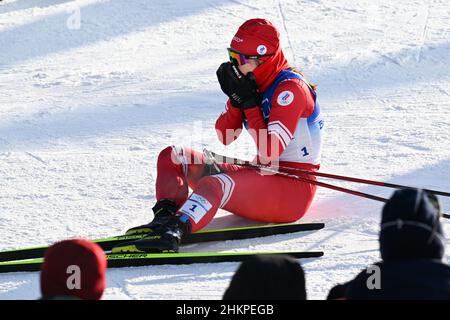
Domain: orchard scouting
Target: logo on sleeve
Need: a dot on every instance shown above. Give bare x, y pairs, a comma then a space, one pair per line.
285, 98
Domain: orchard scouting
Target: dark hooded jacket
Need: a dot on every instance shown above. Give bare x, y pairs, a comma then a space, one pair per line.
412, 247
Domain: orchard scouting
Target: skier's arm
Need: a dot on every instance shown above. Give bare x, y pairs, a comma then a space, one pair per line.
229, 124
291, 100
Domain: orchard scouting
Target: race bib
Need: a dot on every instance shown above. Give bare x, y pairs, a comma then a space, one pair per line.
196, 207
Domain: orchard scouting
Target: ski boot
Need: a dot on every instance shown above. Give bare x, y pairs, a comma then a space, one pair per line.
163, 210
163, 234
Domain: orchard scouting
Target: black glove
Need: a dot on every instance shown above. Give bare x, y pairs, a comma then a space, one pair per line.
240, 88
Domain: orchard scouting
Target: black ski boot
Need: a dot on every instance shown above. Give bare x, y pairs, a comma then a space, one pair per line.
165, 238
164, 233
163, 210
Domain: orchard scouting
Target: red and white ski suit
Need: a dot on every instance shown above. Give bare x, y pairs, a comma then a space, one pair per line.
290, 134
243, 191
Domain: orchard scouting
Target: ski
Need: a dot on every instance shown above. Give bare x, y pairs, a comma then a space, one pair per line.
201, 236
151, 259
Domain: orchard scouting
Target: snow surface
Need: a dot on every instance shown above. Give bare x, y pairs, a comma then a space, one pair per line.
85, 111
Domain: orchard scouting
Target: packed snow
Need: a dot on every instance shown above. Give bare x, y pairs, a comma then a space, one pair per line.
92, 90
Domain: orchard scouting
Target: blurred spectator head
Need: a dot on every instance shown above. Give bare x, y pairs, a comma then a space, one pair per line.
411, 227
268, 278
337, 292
74, 268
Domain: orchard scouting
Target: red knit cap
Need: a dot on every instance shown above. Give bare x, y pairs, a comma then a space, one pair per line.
260, 37
56, 270
256, 37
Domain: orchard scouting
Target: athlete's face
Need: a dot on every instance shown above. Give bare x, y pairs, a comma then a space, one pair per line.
249, 66
244, 62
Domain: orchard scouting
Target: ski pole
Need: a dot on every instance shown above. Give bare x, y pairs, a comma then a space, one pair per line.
330, 186
331, 176
225, 159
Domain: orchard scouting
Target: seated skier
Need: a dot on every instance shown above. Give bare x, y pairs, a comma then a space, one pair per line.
279, 108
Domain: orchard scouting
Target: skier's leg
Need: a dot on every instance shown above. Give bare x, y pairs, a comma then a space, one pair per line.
250, 194
180, 167
269, 198
177, 167
203, 203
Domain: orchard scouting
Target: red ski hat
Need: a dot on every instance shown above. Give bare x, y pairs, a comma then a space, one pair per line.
57, 275
259, 37
256, 37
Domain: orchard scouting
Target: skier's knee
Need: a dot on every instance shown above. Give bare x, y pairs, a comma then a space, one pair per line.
173, 153
166, 152
210, 185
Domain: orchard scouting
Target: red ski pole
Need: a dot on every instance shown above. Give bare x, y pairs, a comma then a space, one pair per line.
332, 176
213, 156
365, 181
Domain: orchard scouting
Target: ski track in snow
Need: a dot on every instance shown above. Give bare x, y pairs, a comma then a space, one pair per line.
84, 113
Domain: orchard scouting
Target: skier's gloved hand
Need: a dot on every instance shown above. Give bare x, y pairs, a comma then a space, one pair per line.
241, 89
